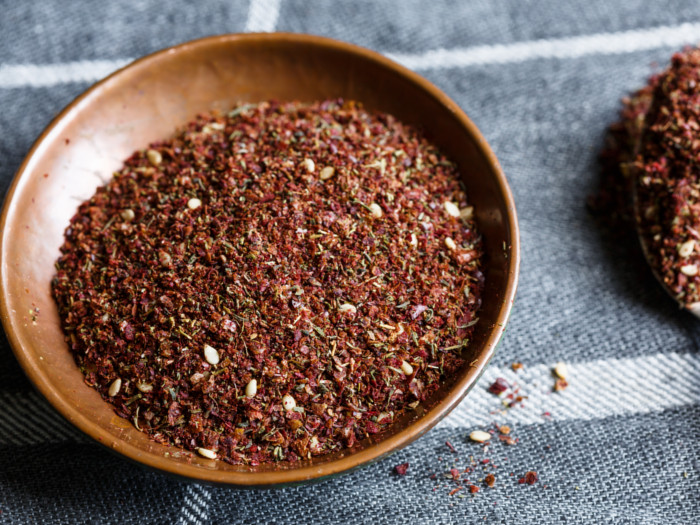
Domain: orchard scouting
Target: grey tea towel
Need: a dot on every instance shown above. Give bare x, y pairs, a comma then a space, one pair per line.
542, 79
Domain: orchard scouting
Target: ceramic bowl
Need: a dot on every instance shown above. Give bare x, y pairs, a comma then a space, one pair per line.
148, 100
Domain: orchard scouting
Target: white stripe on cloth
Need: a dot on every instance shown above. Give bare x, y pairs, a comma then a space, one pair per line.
262, 15
597, 389
195, 505
558, 48
34, 75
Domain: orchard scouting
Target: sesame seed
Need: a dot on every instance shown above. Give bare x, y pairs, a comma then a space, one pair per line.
406, 367
347, 308
480, 436
376, 210
154, 157
128, 214
686, 249
144, 387
414, 240
206, 453
384, 415
309, 165
211, 355
327, 173
452, 209
164, 258
251, 388
313, 443
466, 213
288, 402
115, 387
450, 243
561, 370
194, 203
690, 270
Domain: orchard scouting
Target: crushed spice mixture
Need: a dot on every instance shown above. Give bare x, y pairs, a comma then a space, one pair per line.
668, 185
654, 150
273, 284
479, 458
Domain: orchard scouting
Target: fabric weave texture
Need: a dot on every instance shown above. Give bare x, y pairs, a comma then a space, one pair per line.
621, 445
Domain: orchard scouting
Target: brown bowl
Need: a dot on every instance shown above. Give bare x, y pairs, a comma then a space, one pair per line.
147, 101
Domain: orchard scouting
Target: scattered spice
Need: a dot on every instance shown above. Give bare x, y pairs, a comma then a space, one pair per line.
560, 370
401, 469
560, 385
483, 462
530, 478
508, 440
479, 436
455, 490
499, 386
454, 475
275, 312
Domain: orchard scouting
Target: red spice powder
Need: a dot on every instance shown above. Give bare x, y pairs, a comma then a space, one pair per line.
455, 491
508, 440
272, 284
530, 478
401, 469
499, 386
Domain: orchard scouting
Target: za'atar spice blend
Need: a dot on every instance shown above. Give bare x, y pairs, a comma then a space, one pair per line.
653, 155
668, 180
273, 284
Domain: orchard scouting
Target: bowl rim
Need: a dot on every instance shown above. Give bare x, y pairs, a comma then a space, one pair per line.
305, 473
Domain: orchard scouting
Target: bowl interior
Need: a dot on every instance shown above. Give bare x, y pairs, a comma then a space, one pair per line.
147, 101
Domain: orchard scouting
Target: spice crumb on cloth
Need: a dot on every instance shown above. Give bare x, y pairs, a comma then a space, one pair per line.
477, 457
273, 284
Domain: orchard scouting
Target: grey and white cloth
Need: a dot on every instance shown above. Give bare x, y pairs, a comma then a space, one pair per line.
541, 79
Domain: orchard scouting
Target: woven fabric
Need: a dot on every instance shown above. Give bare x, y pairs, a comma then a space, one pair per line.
541, 79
